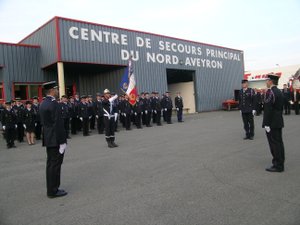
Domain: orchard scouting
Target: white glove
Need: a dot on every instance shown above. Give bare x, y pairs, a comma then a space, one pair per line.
90, 117
268, 129
3, 127
253, 112
116, 116
124, 114
16, 126
97, 116
155, 111
146, 112
177, 109
113, 98
165, 109
35, 124
24, 126
135, 113
62, 148
81, 118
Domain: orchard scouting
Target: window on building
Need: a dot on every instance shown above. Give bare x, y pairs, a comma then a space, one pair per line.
26, 91
1, 92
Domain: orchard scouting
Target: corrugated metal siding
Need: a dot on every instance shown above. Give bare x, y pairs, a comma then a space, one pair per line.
212, 86
46, 38
21, 64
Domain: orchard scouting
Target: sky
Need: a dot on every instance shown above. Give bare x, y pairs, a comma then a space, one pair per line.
268, 31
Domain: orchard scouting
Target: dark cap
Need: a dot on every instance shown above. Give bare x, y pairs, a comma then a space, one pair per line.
244, 81
83, 96
28, 102
98, 94
64, 96
17, 99
8, 103
34, 97
49, 85
71, 97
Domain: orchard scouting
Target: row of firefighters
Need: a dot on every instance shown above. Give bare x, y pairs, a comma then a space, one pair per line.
291, 100
85, 114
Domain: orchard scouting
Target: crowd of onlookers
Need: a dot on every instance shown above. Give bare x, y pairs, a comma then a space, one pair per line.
22, 119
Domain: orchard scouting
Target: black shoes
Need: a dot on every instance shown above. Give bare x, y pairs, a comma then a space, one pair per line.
59, 193
114, 145
246, 138
274, 169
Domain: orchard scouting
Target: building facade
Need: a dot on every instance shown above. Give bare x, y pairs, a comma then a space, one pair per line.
88, 57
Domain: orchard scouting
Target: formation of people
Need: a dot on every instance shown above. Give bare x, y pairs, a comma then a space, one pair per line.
84, 114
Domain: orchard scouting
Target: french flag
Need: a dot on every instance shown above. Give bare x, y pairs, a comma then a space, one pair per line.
128, 84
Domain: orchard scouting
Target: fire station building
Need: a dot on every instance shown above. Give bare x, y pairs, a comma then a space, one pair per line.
86, 58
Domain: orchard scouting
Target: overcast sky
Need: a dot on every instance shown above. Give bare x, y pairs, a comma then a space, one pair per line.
268, 31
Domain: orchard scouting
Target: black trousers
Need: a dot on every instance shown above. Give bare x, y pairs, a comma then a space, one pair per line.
127, 119
169, 115
109, 124
20, 131
85, 126
38, 130
276, 147
296, 107
158, 117
153, 117
92, 122
148, 118
179, 114
100, 124
137, 120
74, 125
10, 136
67, 126
287, 107
53, 169
248, 124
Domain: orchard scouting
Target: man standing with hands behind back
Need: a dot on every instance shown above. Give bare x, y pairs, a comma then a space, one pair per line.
247, 105
273, 122
54, 139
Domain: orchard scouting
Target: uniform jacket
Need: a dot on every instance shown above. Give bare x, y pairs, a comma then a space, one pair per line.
19, 112
273, 107
53, 125
178, 102
247, 100
83, 110
99, 108
36, 109
29, 117
8, 118
286, 95
166, 102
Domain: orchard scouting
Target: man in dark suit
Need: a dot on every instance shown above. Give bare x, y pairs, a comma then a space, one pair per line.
54, 139
247, 105
273, 123
287, 98
295, 99
179, 106
9, 124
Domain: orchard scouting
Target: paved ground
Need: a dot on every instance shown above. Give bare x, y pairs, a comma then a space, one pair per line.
199, 172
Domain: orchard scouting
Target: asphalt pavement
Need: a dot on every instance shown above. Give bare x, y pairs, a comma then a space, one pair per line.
200, 172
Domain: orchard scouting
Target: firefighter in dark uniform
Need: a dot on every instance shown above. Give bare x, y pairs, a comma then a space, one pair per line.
84, 115
19, 108
167, 106
137, 112
99, 114
127, 113
29, 121
147, 110
77, 102
109, 118
157, 109
73, 109
65, 112
54, 139
91, 109
179, 107
295, 97
273, 122
287, 98
153, 106
9, 124
38, 127
142, 100
247, 105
